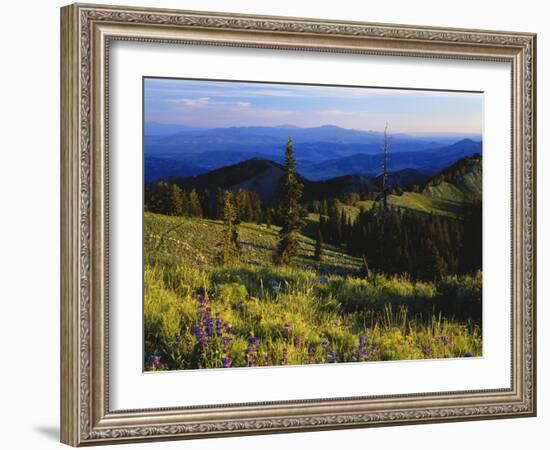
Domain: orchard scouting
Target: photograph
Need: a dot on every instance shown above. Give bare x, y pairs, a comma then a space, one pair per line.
297, 224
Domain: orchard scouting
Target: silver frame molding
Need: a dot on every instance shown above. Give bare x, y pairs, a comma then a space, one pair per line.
86, 32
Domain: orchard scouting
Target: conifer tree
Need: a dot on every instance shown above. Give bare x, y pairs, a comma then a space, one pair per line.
256, 206
319, 246
290, 210
242, 204
385, 170
161, 198
176, 200
230, 244
268, 218
195, 204
185, 203
205, 203
219, 203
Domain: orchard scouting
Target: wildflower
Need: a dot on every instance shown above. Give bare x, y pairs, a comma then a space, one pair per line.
251, 352
325, 343
154, 361
362, 354
220, 326
227, 362
254, 341
446, 340
427, 352
284, 359
209, 325
201, 337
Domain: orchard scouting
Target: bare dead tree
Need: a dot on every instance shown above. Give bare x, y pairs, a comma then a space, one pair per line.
385, 169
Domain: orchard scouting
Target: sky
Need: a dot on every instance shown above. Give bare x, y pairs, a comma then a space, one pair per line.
220, 104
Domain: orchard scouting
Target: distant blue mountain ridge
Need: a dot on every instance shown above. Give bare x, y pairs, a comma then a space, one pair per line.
322, 152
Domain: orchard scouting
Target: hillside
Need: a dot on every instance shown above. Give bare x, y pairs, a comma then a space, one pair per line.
427, 162
263, 177
198, 315
448, 192
321, 152
194, 241
161, 168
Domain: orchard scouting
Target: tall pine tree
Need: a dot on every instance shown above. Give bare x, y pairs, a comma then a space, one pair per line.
195, 208
176, 201
289, 210
229, 251
319, 246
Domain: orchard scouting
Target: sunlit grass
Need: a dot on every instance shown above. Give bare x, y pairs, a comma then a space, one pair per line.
309, 314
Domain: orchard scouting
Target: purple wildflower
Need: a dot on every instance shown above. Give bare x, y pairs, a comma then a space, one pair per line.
427, 352
201, 337
227, 362
251, 352
284, 359
209, 325
362, 349
254, 341
154, 361
332, 356
219, 326
446, 340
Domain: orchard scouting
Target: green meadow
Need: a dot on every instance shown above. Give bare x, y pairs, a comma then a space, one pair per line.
200, 314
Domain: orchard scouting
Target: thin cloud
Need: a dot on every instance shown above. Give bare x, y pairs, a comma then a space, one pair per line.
204, 101
337, 112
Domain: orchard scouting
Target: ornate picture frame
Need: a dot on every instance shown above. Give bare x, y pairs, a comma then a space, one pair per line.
87, 31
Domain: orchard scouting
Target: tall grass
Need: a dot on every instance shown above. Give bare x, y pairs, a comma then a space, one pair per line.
292, 316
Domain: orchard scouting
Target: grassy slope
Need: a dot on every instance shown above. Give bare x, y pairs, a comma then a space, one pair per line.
293, 311
446, 198
196, 240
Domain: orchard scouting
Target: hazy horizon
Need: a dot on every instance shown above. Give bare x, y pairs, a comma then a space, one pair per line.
289, 126
225, 104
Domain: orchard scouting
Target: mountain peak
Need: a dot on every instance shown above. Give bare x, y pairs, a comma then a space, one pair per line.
466, 141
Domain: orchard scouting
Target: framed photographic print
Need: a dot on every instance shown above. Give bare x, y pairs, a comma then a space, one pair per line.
276, 224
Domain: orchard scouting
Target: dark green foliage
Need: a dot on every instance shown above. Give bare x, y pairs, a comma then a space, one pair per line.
230, 244
319, 246
157, 198
268, 218
195, 208
394, 241
425, 246
176, 201
219, 204
172, 200
471, 248
290, 210
458, 169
